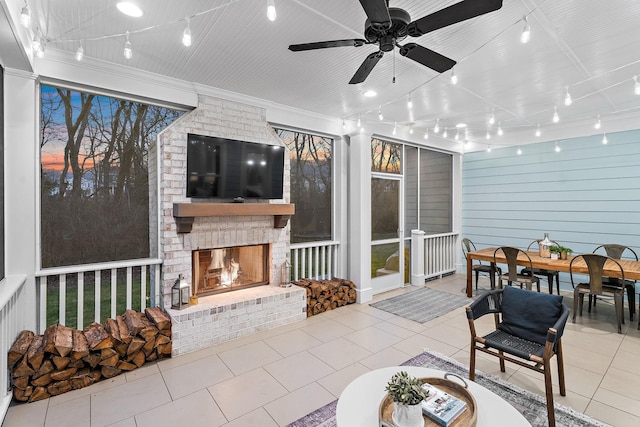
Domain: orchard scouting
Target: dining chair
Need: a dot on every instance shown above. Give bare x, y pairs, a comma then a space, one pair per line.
480, 267
595, 266
528, 332
511, 276
543, 272
619, 252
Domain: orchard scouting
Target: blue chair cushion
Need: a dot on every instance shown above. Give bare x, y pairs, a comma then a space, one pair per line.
529, 314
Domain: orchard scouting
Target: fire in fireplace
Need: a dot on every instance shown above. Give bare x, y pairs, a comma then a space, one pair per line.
221, 270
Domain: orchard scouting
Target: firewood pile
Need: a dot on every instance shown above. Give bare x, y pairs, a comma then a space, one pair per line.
324, 295
64, 359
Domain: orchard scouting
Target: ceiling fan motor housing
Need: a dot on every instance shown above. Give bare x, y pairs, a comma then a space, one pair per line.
387, 36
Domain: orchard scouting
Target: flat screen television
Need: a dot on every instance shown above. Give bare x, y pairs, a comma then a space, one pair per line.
229, 169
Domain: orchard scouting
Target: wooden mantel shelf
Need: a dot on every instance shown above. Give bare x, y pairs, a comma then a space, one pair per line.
185, 213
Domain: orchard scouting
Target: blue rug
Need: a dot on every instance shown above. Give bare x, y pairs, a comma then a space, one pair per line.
422, 305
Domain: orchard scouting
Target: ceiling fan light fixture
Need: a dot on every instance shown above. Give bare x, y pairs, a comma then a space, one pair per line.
271, 10
186, 35
129, 8
526, 32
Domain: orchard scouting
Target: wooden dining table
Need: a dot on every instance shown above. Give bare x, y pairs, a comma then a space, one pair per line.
631, 268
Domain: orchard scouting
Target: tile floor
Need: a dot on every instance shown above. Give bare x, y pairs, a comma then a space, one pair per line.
275, 377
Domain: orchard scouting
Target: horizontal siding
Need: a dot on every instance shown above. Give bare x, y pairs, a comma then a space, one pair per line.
585, 195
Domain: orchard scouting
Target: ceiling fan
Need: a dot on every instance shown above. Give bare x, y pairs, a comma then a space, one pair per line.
387, 26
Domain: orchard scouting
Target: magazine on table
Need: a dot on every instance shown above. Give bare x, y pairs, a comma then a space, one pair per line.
441, 406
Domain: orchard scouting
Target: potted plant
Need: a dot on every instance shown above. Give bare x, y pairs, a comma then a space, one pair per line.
407, 395
555, 251
564, 252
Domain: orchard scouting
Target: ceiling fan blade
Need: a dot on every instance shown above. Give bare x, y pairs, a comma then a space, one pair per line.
455, 13
378, 13
366, 67
329, 43
427, 57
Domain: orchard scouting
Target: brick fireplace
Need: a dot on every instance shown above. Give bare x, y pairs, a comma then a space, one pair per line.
200, 230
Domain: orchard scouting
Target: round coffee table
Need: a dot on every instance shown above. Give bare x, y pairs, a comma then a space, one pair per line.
359, 402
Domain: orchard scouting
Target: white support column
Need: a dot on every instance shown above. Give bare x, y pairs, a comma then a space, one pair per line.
360, 215
417, 257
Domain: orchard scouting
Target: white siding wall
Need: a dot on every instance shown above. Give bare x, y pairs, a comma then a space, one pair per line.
583, 196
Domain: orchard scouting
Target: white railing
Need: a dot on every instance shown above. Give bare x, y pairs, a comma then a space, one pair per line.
314, 260
432, 255
78, 292
12, 321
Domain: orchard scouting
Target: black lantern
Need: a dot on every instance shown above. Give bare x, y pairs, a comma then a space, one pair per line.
180, 293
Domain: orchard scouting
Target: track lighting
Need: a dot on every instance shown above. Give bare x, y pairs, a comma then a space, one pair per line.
567, 98
409, 102
271, 10
636, 85
500, 132
186, 35
79, 53
556, 117
380, 116
492, 119
538, 132
444, 134
604, 138
454, 78
526, 32
128, 49
436, 127
598, 124
25, 16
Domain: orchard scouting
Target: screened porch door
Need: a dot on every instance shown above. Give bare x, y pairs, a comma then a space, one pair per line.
387, 255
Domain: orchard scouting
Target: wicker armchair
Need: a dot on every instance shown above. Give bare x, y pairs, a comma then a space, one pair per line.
529, 328
511, 276
542, 272
480, 267
595, 265
616, 251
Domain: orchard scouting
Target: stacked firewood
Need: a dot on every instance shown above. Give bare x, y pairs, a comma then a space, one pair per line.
64, 359
323, 295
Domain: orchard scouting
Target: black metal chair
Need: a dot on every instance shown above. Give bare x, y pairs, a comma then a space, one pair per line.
542, 272
595, 266
529, 328
619, 252
480, 267
511, 254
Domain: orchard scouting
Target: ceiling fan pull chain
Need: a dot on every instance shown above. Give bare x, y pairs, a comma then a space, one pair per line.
394, 66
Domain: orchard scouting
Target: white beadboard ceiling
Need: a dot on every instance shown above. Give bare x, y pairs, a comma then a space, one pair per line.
589, 46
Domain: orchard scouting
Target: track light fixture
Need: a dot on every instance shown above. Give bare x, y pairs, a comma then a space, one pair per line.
186, 35
25, 16
567, 98
128, 49
79, 53
271, 10
526, 32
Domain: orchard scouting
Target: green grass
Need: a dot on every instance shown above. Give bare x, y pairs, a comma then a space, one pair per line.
71, 315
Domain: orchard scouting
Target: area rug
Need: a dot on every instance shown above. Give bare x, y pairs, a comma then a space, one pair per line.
531, 405
422, 305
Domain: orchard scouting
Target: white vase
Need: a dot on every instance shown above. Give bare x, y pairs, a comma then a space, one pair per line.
407, 415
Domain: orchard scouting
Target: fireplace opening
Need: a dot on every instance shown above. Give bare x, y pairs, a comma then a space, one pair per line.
221, 270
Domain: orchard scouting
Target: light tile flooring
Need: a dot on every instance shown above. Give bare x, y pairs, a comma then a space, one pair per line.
275, 377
